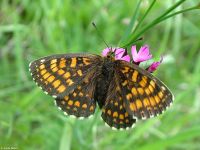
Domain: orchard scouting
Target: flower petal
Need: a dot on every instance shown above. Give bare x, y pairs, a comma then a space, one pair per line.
142, 55
155, 65
106, 51
134, 52
119, 52
126, 58
144, 50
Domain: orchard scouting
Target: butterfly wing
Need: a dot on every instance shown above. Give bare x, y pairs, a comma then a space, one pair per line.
146, 96
114, 112
66, 78
80, 103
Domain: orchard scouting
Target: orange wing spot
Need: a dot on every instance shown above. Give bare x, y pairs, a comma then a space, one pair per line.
116, 103
69, 82
80, 94
66, 98
138, 103
129, 96
115, 114
157, 99
53, 66
79, 72
134, 76
160, 94
142, 83
42, 66
153, 83
126, 69
84, 106
126, 114
66, 75
125, 83
144, 78
92, 108
61, 72
62, 63
43, 71
132, 106
77, 104
79, 87
152, 101
147, 91
74, 94
151, 88
50, 79
61, 88
121, 116
56, 83
70, 102
55, 69
127, 121
109, 112
86, 61
73, 63
53, 61
46, 75
120, 107
146, 102
134, 91
140, 90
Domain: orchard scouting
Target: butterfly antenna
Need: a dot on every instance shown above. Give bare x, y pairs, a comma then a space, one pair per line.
100, 34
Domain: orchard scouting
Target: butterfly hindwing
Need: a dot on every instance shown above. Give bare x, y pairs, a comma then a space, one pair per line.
80, 102
146, 96
58, 75
114, 112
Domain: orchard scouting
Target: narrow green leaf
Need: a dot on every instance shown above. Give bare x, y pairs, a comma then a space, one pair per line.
132, 22
153, 23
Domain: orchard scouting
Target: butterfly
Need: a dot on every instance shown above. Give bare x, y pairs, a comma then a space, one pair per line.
122, 90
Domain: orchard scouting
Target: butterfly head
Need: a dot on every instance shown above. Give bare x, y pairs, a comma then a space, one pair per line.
116, 54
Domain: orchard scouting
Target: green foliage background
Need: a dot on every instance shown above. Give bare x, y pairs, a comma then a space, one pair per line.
30, 29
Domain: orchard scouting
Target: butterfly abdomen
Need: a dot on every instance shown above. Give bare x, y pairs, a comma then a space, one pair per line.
103, 81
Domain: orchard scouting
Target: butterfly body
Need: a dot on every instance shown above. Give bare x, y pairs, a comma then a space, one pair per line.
122, 90
106, 73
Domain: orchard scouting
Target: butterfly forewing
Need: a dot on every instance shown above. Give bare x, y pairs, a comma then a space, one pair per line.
58, 75
146, 96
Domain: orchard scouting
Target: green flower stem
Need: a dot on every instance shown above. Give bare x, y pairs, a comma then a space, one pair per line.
146, 13
179, 12
133, 37
132, 22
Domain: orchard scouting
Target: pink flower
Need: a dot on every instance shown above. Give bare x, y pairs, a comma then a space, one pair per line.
155, 65
120, 53
142, 55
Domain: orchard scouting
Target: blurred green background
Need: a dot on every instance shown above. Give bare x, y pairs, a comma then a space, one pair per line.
30, 29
